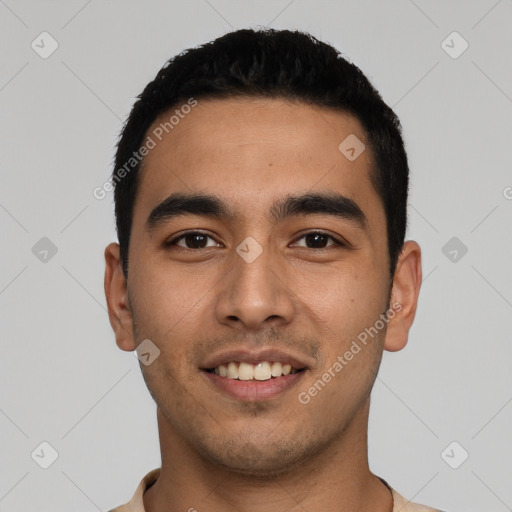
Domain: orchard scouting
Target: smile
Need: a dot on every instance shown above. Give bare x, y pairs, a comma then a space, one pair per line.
253, 382
264, 370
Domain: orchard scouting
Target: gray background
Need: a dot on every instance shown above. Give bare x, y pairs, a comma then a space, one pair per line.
64, 381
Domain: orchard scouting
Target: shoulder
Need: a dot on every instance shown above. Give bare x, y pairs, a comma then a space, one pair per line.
136, 503
400, 504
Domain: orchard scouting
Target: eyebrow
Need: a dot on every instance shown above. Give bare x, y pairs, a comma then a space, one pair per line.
331, 203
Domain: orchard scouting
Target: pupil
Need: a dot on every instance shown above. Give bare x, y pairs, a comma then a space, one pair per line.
195, 240
314, 237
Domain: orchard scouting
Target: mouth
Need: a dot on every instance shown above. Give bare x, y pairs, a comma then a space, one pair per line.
264, 370
251, 376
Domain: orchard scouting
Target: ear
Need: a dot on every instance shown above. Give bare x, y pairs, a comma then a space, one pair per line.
404, 296
116, 294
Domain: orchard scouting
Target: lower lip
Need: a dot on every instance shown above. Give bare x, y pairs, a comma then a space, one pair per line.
254, 390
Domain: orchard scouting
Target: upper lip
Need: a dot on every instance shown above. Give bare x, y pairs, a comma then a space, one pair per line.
255, 356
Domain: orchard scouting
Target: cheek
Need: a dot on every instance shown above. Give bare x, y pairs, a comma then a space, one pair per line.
349, 306
170, 311
344, 301
168, 300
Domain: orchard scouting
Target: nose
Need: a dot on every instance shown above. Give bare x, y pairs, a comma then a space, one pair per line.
254, 296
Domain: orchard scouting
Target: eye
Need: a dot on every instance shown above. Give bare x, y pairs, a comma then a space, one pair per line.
318, 240
192, 240
197, 240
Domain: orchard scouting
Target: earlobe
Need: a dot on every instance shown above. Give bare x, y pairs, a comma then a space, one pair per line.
404, 296
116, 295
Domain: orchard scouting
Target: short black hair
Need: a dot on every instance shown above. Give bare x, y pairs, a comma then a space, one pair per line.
269, 63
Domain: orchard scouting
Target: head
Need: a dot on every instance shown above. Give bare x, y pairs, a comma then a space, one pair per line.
246, 225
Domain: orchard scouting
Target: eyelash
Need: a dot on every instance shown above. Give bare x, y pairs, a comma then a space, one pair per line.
183, 235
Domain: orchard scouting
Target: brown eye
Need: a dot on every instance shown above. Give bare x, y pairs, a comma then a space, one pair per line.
192, 240
318, 240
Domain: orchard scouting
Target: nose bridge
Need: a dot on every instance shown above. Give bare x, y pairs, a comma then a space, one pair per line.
254, 291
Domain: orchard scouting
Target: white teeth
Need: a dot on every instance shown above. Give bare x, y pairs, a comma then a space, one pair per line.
264, 370
232, 370
245, 371
277, 369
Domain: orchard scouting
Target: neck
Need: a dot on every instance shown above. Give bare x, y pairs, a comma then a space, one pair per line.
337, 479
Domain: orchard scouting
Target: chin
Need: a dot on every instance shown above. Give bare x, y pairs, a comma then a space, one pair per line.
259, 459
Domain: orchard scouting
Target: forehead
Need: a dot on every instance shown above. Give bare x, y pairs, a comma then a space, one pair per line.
252, 150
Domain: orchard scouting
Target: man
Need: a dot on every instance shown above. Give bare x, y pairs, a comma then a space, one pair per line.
260, 194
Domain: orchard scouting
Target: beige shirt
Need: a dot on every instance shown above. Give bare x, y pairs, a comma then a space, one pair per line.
400, 504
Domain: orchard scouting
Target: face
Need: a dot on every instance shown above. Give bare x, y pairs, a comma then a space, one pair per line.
282, 261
